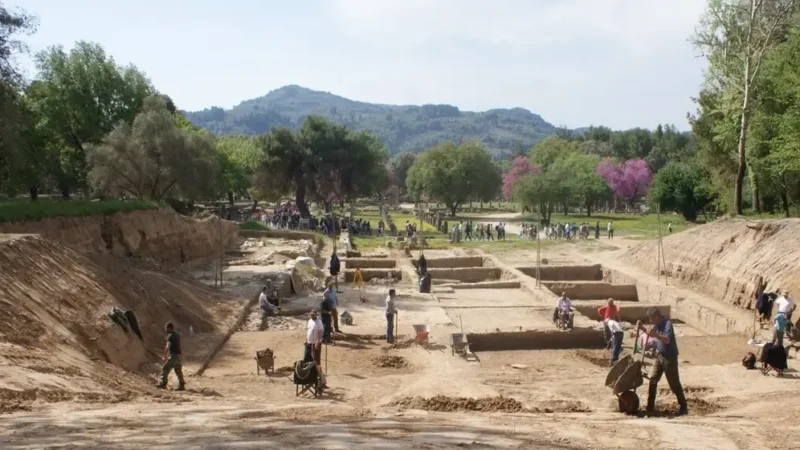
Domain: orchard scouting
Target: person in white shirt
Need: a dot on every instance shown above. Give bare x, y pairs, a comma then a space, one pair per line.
786, 305
611, 230
563, 305
616, 338
314, 339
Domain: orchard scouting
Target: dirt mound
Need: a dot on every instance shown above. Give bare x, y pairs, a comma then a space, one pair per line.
688, 390
285, 369
161, 235
560, 406
56, 336
390, 361
722, 259
400, 345
596, 357
697, 407
450, 404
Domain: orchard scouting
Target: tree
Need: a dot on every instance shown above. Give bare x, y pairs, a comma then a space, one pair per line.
153, 159
629, 180
520, 167
681, 187
400, 164
285, 167
546, 152
14, 112
83, 96
537, 190
238, 158
736, 37
454, 174
586, 186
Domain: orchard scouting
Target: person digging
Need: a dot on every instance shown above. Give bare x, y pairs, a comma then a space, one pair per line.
666, 361
173, 358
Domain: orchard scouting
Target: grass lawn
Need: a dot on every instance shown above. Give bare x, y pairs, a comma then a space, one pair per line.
631, 226
22, 210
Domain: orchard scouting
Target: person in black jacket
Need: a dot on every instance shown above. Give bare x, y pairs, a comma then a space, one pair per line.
335, 266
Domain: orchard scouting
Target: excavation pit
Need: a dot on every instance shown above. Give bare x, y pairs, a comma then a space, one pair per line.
565, 273
510, 284
458, 262
369, 263
466, 274
537, 340
627, 313
594, 290
369, 274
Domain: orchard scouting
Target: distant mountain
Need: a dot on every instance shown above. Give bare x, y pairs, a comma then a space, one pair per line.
401, 128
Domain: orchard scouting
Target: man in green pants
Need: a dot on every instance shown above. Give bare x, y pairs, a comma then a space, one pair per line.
173, 356
666, 362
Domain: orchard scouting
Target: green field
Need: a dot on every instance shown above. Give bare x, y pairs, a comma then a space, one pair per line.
23, 210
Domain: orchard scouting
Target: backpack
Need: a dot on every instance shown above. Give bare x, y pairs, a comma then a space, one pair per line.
749, 361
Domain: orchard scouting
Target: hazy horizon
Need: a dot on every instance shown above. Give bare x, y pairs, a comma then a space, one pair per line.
618, 63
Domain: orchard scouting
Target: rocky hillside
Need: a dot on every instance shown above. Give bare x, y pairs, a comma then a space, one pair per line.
401, 128
723, 259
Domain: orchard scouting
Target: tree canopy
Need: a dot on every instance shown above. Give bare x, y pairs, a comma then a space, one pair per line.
454, 174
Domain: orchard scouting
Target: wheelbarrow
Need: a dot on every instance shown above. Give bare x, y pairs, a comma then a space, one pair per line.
459, 344
421, 334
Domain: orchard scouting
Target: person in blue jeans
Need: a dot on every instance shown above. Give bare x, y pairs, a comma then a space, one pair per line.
667, 361
617, 334
390, 312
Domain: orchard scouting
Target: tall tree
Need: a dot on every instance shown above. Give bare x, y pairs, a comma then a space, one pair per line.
454, 174
400, 163
736, 36
14, 114
84, 95
683, 188
238, 158
519, 168
629, 180
152, 158
285, 167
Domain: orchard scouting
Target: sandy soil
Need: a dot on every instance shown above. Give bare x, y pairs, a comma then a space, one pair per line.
411, 396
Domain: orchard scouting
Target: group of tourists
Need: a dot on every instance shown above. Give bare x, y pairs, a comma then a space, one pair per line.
470, 231
782, 322
570, 231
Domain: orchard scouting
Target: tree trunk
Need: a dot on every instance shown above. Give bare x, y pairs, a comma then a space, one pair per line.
230, 198
255, 203
566, 210
34, 190
588, 209
756, 198
65, 192
785, 197
300, 197
737, 194
453, 210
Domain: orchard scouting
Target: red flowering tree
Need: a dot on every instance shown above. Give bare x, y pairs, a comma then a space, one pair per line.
519, 168
629, 180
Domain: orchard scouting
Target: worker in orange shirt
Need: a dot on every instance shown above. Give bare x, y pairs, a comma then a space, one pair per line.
609, 311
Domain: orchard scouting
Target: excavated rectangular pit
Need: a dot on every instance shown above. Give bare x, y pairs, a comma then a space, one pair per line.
466, 274
368, 274
369, 263
627, 313
452, 263
536, 340
565, 273
593, 290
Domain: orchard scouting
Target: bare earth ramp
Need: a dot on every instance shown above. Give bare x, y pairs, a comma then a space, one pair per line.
57, 341
723, 259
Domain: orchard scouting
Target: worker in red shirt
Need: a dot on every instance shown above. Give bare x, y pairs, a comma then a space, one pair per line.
608, 311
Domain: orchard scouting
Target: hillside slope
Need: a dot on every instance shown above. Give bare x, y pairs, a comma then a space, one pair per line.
723, 259
401, 128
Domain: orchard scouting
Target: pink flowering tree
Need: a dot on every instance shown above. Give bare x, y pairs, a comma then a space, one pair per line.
629, 180
519, 168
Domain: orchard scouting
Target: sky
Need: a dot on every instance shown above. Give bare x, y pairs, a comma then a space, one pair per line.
618, 63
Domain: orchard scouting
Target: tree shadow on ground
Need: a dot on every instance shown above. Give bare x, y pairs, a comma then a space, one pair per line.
165, 428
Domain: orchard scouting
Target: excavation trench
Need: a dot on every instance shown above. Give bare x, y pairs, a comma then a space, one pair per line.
370, 263
565, 273
452, 263
536, 340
